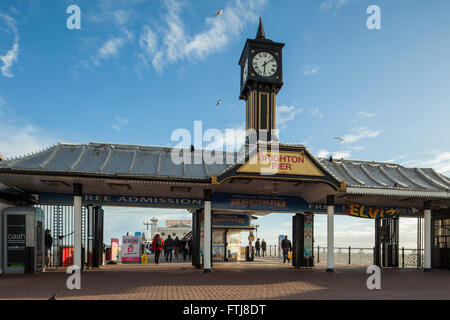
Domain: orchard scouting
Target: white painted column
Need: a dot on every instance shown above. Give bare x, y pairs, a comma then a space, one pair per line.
77, 192
330, 233
427, 235
208, 227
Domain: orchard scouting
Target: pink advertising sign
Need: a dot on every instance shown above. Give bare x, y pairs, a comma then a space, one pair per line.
130, 249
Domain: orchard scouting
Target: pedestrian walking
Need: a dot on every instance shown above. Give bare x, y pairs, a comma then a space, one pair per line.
184, 248
170, 245
48, 247
190, 248
158, 245
287, 247
263, 247
258, 248
177, 247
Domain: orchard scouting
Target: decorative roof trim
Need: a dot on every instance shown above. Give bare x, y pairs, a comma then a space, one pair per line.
80, 156
45, 162
133, 161
431, 180
108, 157
396, 192
351, 175
370, 175
400, 170
392, 179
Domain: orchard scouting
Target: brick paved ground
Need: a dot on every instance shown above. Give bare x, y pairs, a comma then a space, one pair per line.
245, 280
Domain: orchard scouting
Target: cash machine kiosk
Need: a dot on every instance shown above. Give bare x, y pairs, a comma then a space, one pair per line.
22, 238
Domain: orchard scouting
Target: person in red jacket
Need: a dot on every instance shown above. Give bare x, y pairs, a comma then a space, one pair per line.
158, 245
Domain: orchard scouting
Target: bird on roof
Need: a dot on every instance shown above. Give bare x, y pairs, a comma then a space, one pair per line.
341, 140
218, 102
219, 12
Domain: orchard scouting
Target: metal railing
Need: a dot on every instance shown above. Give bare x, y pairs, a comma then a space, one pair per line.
408, 258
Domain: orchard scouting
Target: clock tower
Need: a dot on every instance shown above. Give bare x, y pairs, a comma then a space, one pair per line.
261, 79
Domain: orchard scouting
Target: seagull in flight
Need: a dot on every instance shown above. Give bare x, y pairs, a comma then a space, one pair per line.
342, 140
219, 12
218, 102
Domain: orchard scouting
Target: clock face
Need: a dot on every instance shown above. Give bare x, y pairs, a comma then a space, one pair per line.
265, 64
245, 72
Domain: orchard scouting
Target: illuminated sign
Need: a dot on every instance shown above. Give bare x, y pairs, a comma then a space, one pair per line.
282, 162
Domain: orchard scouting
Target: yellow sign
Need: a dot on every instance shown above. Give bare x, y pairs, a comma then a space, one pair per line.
282, 162
359, 210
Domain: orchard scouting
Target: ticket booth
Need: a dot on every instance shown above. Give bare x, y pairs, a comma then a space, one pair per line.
23, 240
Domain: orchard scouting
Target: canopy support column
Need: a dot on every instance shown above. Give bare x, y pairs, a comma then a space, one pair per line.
330, 233
208, 231
77, 193
427, 235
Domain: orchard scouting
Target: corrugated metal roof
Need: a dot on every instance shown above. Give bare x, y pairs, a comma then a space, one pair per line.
386, 175
149, 161
130, 160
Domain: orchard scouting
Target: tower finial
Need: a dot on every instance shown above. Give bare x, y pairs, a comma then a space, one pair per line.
260, 34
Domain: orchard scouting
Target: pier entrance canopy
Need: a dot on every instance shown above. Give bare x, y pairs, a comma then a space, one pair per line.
264, 176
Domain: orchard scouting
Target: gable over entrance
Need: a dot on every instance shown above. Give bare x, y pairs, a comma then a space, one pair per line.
285, 163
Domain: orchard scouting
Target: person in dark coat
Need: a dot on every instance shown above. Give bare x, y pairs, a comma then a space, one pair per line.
263, 247
258, 248
170, 245
287, 247
48, 246
158, 245
184, 248
190, 248
177, 247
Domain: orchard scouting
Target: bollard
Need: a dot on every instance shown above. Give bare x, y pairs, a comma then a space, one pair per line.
318, 253
403, 257
349, 255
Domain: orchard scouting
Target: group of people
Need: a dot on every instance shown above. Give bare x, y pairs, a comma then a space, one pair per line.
260, 246
171, 246
286, 246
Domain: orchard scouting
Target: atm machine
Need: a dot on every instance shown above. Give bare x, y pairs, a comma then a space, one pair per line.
23, 240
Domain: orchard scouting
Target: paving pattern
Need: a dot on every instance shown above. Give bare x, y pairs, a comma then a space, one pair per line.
268, 279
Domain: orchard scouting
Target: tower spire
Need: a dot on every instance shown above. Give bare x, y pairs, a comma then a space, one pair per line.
260, 34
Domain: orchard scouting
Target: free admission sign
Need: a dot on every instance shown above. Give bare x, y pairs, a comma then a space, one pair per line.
130, 249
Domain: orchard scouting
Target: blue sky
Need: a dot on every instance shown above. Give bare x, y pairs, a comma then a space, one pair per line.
139, 69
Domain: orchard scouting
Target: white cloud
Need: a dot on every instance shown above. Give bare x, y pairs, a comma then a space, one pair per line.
361, 133
333, 4
109, 49
323, 153
119, 123
310, 70
12, 55
178, 45
19, 139
365, 115
440, 161
148, 40
285, 114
